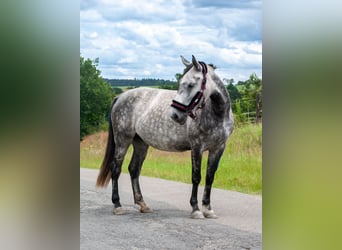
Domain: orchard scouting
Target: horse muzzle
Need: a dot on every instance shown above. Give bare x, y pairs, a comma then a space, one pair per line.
177, 116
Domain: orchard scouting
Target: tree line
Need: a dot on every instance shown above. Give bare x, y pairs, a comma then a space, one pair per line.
139, 82
97, 93
246, 99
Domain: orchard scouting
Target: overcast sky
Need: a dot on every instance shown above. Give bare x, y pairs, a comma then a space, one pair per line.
145, 38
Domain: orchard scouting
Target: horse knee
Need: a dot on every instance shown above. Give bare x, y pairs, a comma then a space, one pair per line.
196, 179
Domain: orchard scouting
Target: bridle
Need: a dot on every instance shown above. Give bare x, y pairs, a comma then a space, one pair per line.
188, 109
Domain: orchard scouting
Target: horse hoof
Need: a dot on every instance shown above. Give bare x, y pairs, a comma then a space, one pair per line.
118, 211
146, 210
197, 215
210, 214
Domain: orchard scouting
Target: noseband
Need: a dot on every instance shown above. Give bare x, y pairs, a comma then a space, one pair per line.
188, 109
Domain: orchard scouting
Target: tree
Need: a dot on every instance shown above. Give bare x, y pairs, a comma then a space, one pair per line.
228, 81
246, 97
95, 97
254, 91
178, 76
233, 92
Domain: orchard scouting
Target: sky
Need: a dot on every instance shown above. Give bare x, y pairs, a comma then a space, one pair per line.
145, 38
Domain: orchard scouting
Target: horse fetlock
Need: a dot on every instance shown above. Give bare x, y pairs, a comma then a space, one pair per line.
138, 198
194, 203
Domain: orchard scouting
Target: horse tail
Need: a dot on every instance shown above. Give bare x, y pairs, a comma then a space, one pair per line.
106, 169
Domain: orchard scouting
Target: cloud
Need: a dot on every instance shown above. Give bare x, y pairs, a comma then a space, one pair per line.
139, 39
144, 11
87, 4
236, 4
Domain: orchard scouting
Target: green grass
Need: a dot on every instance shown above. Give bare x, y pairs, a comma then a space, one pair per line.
240, 167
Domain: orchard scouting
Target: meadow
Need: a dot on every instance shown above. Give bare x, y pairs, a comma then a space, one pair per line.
240, 167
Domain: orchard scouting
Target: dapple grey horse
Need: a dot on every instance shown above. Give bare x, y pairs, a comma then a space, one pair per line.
197, 117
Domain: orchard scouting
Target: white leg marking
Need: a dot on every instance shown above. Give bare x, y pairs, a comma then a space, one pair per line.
208, 213
197, 215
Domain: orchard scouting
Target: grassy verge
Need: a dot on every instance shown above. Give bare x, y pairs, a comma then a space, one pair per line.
240, 167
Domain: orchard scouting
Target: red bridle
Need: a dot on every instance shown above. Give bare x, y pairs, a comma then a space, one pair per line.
197, 97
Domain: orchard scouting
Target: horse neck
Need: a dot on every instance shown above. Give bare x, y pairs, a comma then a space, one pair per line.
214, 83
217, 98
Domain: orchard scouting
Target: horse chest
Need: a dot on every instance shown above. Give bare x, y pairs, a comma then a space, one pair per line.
211, 138
209, 133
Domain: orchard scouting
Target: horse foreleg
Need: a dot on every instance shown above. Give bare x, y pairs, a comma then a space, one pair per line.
196, 157
213, 162
139, 154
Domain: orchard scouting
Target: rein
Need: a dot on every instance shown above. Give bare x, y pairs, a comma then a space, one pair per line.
197, 97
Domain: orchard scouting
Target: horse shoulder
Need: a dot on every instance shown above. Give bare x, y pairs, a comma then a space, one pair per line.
220, 104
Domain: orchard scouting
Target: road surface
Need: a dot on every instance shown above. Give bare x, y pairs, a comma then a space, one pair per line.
169, 226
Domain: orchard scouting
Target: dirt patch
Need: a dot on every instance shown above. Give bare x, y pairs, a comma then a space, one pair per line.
98, 140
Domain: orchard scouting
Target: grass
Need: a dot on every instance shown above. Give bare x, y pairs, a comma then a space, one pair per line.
240, 167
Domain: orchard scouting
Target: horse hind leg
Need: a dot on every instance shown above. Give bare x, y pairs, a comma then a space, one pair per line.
139, 154
119, 155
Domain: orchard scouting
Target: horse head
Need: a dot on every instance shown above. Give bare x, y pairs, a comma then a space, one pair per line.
191, 91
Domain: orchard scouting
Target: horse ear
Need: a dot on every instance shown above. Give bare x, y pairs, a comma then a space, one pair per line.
196, 64
185, 62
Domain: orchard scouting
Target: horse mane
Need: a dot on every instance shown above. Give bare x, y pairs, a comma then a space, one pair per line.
190, 66
221, 86
212, 65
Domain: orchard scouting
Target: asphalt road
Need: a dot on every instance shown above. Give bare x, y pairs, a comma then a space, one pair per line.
238, 226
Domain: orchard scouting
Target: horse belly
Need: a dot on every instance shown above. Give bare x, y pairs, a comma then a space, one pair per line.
167, 144
163, 137
162, 133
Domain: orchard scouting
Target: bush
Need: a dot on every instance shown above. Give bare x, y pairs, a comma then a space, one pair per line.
95, 97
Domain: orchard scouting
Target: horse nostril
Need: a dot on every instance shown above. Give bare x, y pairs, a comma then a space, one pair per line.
174, 116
